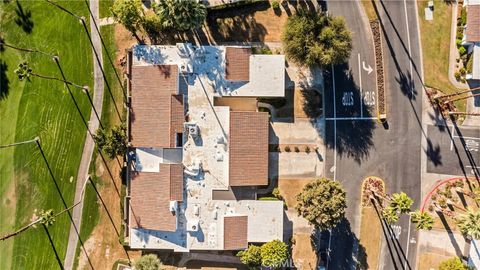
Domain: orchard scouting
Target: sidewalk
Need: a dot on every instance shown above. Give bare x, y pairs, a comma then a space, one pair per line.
89, 143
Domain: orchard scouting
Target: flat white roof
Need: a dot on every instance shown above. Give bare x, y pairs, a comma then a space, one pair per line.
476, 62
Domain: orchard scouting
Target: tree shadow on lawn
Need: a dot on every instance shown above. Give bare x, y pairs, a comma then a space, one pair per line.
24, 19
354, 138
4, 82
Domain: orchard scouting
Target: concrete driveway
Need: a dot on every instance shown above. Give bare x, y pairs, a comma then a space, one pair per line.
301, 164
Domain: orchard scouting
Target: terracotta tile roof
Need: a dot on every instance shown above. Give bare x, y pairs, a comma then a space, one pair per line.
176, 182
156, 110
237, 63
235, 230
150, 200
473, 23
248, 148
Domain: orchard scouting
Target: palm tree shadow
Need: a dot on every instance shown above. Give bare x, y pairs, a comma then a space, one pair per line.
24, 19
57, 256
433, 153
354, 138
4, 82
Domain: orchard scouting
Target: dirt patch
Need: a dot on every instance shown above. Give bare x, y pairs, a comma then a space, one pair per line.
370, 238
429, 261
103, 246
303, 254
251, 23
289, 188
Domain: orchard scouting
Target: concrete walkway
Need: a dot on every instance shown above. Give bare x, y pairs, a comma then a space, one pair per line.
89, 143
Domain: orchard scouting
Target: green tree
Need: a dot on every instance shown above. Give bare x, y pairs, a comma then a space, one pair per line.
390, 215
181, 15
128, 13
148, 262
469, 223
251, 257
401, 202
322, 203
112, 143
316, 39
274, 253
453, 264
423, 220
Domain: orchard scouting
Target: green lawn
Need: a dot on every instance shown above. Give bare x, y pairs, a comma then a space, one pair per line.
105, 8
436, 46
92, 206
40, 108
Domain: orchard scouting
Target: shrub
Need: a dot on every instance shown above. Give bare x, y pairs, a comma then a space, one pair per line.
458, 42
452, 264
275, 4
128, 13
463, 71
457, 75
274, 253
148, 262
307, 149
251, 256
459, 33
463, 16
462, 51
276, 193
297, 150
287, 148
151, 23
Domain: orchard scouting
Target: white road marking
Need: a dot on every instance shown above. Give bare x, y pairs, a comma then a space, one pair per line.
334, 154
334, 127
408, 240
360, 86
476, 167
408, 40
368, 69
349, 118
466, 137
397, 230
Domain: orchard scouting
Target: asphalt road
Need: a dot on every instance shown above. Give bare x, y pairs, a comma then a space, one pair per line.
457, 156
363, 147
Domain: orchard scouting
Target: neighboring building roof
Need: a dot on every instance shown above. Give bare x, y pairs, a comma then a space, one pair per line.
150, 197
237, 66
235, 232
154, 108
473, 23
476, 61
248, 148
176, 182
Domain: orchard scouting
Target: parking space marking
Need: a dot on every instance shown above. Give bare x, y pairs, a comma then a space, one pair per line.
350, 118
466, 137
360, 86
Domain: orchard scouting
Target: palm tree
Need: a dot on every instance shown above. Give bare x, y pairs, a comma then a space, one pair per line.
469, 223
401, 202
390, 215
423, 220
47, 218
24, 72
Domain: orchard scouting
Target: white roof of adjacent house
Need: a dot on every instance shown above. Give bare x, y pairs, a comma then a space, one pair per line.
266, 73
476, 61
